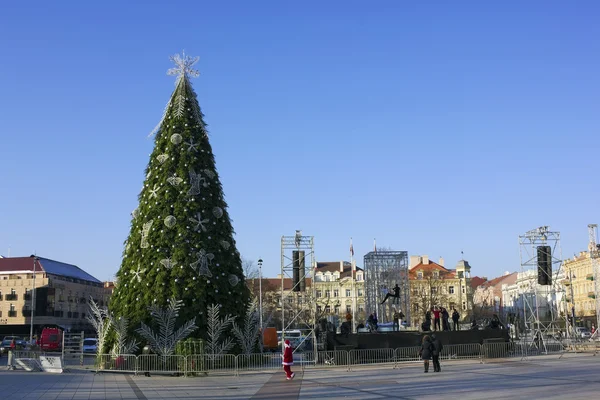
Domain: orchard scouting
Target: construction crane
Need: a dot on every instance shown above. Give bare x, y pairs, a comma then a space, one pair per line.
594, 249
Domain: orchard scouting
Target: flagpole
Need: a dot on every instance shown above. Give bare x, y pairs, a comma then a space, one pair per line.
353, 271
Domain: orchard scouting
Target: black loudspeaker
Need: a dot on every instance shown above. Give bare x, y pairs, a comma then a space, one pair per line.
299, 282
544, 265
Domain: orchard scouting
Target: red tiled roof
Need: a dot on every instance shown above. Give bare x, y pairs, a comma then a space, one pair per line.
333, 266
19, 264
477, 281
432, 266
273, 284
499, 281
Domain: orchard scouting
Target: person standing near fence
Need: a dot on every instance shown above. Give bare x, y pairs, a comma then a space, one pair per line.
288, 360
455, 318
437, 351
426, 351
436, 318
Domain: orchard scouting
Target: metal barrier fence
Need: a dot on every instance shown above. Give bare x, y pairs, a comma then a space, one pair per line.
232, 364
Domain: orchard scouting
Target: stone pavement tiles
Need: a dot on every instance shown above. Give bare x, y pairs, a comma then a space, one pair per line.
572, 377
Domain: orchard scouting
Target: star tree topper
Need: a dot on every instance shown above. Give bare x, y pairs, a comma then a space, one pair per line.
183, 66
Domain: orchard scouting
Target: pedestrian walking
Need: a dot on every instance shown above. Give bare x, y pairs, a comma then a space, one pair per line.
288, 360
436, 318
426, 351
437, 351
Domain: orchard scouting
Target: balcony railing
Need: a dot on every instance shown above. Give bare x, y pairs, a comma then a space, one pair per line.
12, 314
589, 277
591, 295
12, 297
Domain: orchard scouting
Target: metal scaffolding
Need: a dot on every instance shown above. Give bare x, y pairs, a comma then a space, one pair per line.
542, 304
385, 269
298, 303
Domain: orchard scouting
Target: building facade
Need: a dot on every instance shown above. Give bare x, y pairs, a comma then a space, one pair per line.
579, 284
60, 297
488, 298
432, 284
340, 290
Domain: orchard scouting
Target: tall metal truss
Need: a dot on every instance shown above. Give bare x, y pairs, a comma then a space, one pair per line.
541, 306
386, 269
304, 303
594, 249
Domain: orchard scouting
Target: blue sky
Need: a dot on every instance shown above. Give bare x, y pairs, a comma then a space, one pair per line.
435, 127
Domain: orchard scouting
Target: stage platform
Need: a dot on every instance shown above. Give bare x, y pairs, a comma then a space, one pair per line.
387, 340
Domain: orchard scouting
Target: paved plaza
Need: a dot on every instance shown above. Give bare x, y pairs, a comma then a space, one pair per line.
575, 376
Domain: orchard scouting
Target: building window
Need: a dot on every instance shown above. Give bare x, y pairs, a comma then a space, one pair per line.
327, 278
361, 308
360, 292
290, 300
318, 293
348, 309
420, 275
337, 309
463, 290
299, 300
336, 293
319, 309
359, 277
464, 305
348, 293
327, 309
436, 274
318, 278
434, 290
451, 289
460, 274
328, 293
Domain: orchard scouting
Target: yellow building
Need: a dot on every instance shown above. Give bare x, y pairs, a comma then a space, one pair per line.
62, 292
337, 293
579, 283
431, 284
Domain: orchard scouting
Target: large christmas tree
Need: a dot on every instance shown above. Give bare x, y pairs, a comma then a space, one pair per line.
181, 241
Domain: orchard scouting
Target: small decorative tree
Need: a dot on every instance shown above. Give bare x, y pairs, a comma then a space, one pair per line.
248, 335
164, 342
122, 345
101, 321
216, 327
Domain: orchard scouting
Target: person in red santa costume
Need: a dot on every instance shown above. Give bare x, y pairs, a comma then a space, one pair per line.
288, 360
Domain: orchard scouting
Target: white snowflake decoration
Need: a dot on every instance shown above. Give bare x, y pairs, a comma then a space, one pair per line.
135, 213
209, 173
191, 146
225, 244
162, 158
183, 66
199, 222
145, 230
135, 273
154, 191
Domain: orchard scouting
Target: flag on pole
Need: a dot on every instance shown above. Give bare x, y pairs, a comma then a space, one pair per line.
351, 249
374, 246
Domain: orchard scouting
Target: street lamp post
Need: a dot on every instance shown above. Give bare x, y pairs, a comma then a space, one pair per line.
260, 313
32, 302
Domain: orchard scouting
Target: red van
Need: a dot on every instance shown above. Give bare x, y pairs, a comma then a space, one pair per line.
51, 339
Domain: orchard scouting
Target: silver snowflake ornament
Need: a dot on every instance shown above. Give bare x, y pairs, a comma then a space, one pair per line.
183, 66
135, 273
